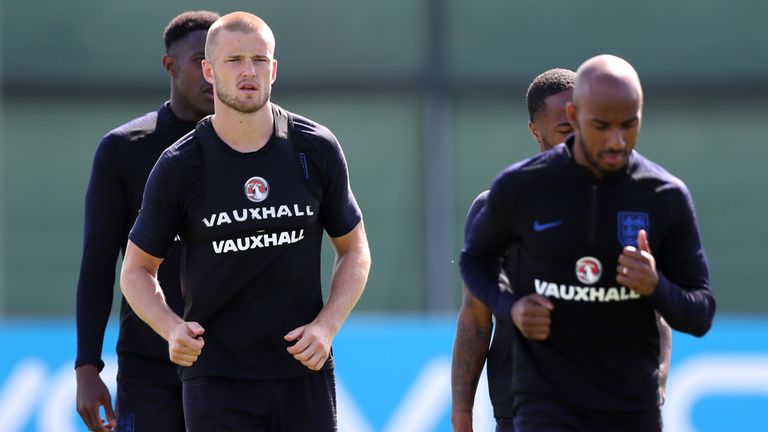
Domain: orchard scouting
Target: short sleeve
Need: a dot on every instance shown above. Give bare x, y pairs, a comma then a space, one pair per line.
161, 211
339, 211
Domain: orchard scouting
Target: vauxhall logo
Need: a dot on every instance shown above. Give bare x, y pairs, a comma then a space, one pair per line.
256, 189
588, 271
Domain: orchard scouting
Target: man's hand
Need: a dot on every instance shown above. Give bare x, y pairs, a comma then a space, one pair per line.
637, 267
185, 343
92, 394
461, 421
313, 344
531, 315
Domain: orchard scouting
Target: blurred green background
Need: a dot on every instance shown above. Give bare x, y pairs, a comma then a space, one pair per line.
427, 99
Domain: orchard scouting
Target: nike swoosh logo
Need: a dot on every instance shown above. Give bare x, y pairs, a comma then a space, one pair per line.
539, 227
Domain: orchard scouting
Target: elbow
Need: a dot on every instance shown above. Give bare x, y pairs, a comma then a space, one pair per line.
359, 261
129, 278
364, 263
697, 329
701, 330
474, 314
354, 252
706, 324
701, 326
125, 281
476, 271
465, 262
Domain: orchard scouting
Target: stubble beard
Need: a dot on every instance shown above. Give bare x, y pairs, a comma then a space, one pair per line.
245, 107
593, 162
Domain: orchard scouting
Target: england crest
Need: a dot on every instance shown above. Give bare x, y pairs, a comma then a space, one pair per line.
629, 224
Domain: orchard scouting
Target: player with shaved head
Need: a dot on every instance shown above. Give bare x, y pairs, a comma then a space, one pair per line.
250, 192
606, 240
546, 99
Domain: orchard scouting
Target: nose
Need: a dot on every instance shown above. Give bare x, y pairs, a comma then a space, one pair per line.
249, 69
616, 141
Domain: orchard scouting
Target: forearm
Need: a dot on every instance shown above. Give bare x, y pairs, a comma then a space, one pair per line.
470, 350
689, 311
481, 276
93, 305
95, 288
350, 273
665, 351
142, 291
103, 228
488, 235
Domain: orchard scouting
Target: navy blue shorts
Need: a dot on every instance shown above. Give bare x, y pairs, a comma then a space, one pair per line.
300, 404
535, 414
145, 405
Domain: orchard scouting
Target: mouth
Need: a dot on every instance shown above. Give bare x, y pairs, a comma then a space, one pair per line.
208, 92
248, 87
614, 157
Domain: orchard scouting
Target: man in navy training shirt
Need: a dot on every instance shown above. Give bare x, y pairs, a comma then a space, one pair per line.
546, 99
606, 239
249, 193
148, 386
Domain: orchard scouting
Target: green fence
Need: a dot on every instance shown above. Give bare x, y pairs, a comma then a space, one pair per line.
71, 71
718, 151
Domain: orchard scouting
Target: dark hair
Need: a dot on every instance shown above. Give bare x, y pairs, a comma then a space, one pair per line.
186, 23
545, 85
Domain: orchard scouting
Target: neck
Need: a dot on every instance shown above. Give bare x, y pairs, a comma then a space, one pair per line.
581, 158
183, 110
244, 132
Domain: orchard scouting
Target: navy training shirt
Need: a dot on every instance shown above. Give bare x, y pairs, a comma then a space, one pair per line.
604, 345
499, 357
251, 225
121, 165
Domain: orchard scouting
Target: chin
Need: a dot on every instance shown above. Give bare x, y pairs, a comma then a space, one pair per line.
613, 169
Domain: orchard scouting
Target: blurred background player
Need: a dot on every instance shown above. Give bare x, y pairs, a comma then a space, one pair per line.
546, 98
148, 386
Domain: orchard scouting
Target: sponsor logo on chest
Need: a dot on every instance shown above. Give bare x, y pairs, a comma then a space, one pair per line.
589, 270
258, 241
256, 190
258, 213
584, 293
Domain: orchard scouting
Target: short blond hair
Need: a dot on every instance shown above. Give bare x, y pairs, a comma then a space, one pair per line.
242, 22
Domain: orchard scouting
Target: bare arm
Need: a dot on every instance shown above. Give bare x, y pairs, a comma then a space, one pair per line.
138, 281
470, 349
350, 273
665, 354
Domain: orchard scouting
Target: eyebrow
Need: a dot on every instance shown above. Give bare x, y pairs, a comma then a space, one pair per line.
602, 122
257, 56
631, 120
